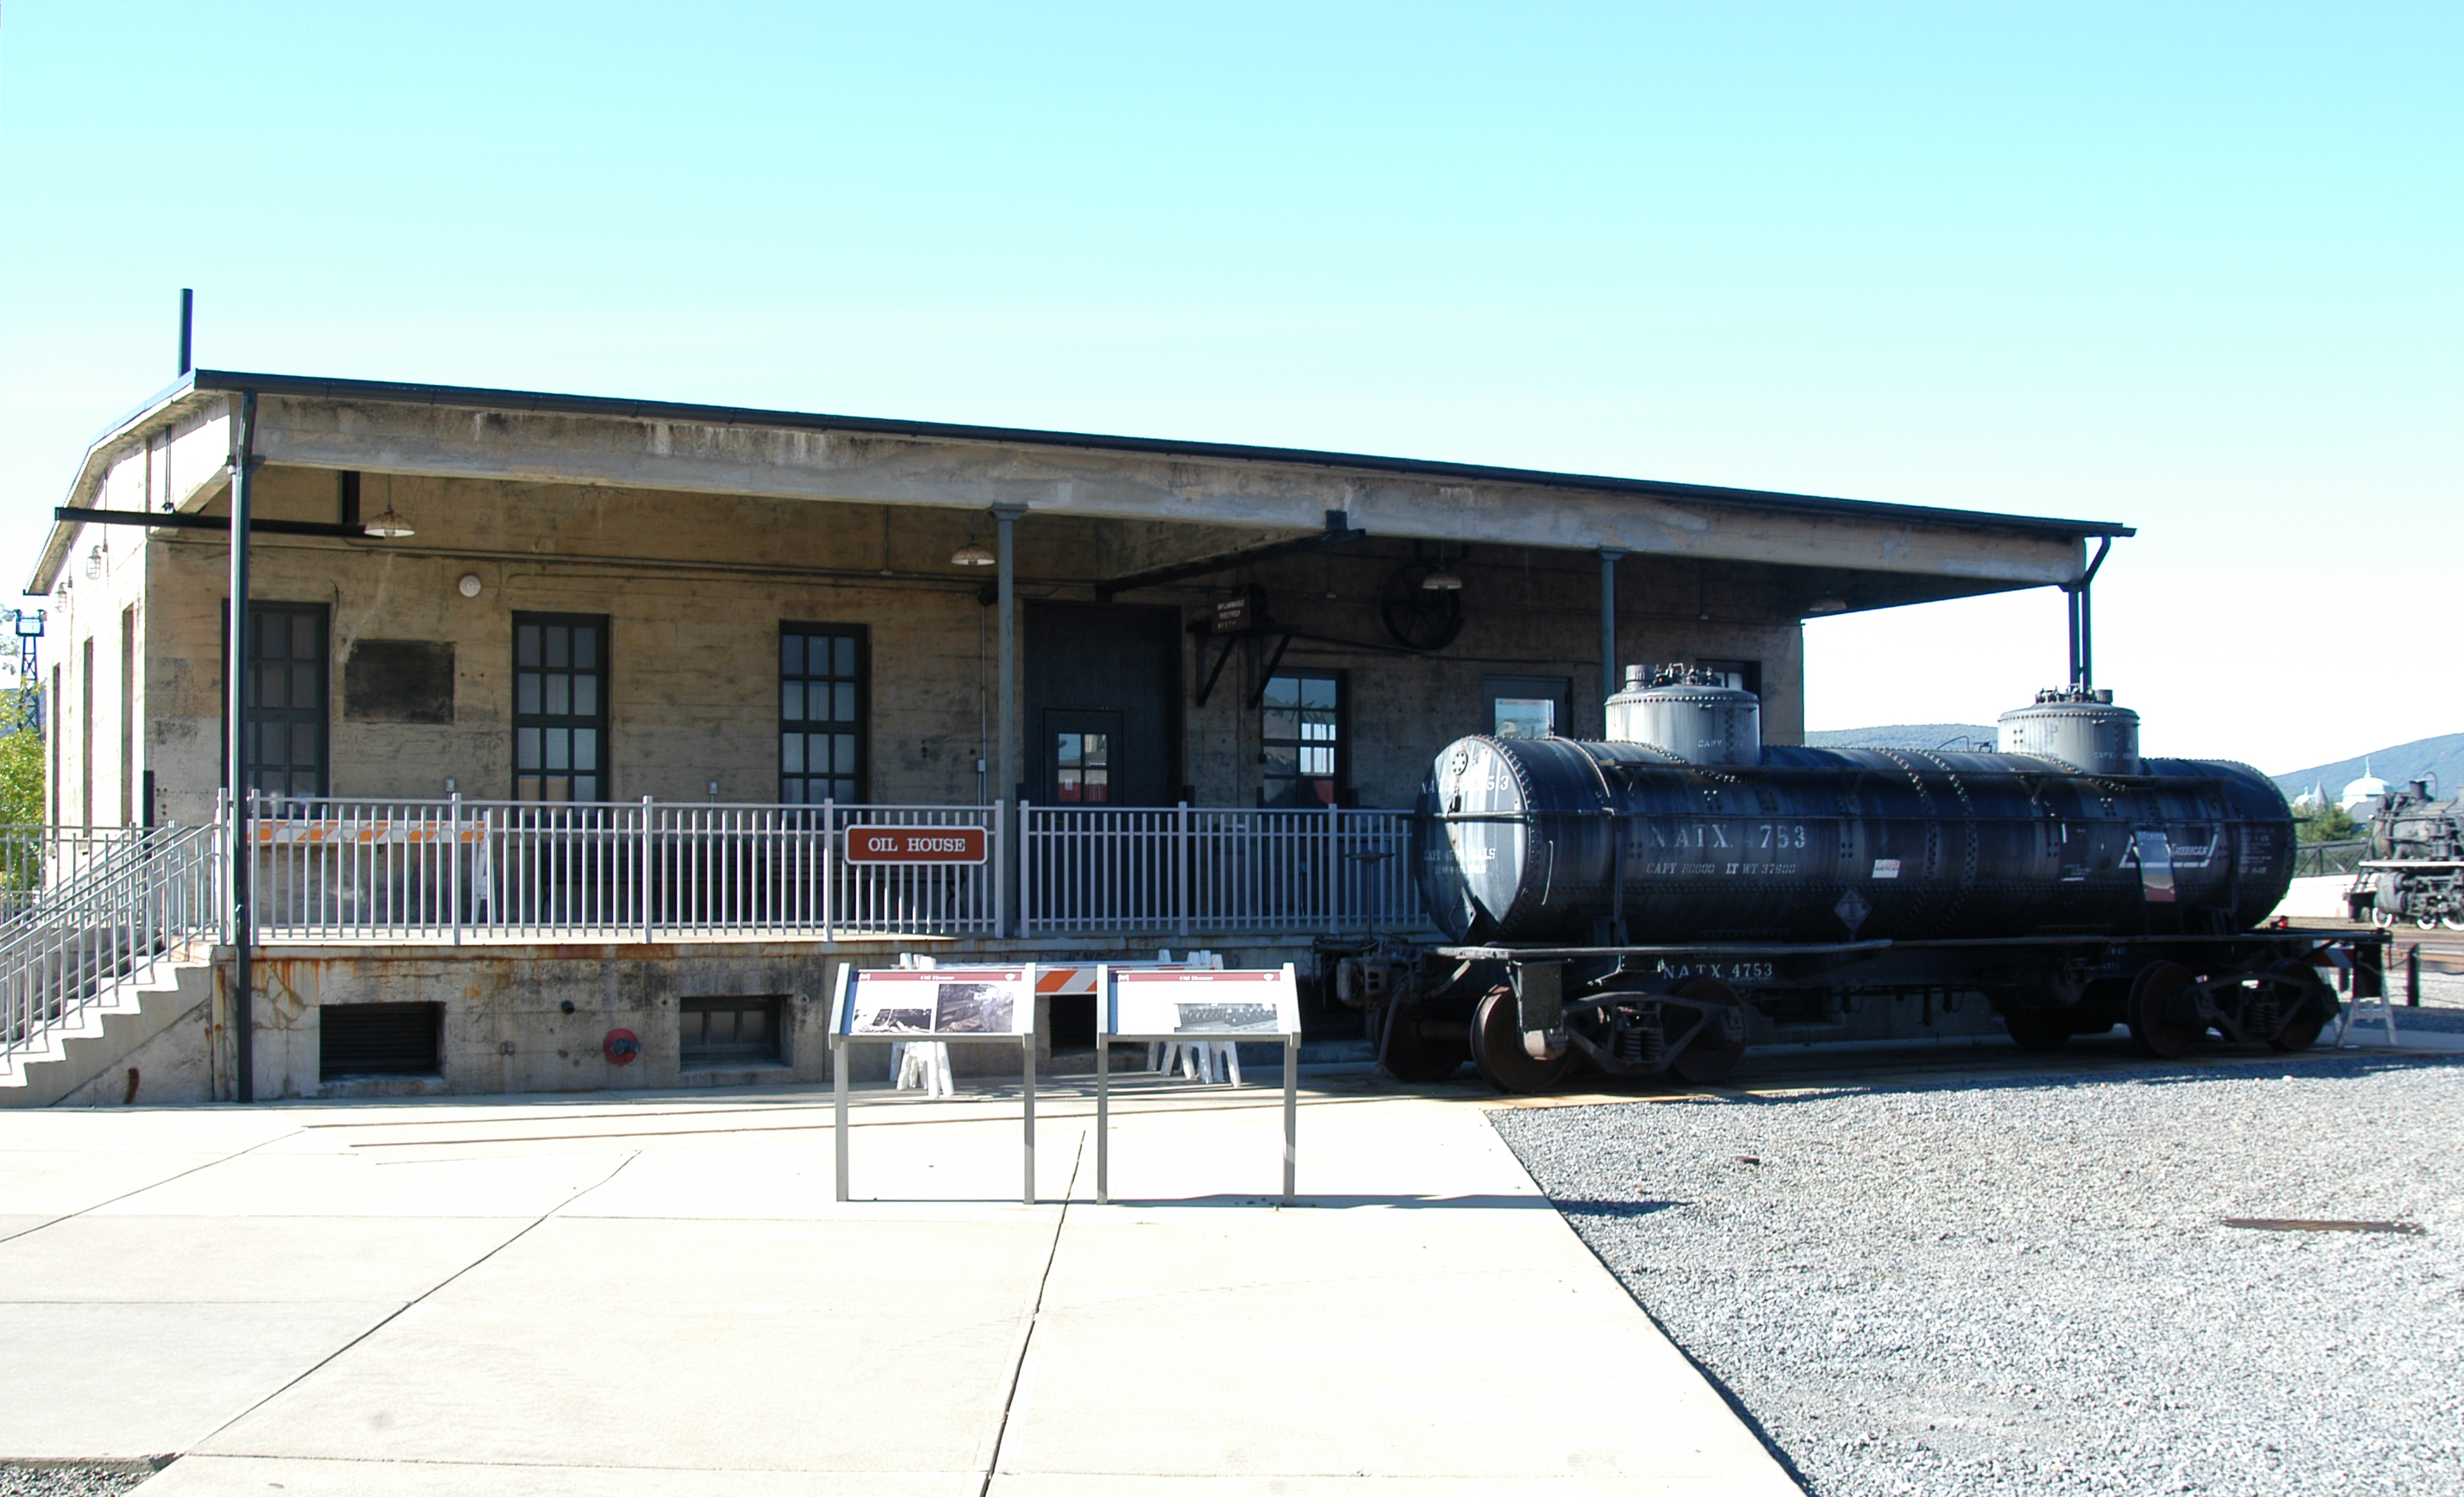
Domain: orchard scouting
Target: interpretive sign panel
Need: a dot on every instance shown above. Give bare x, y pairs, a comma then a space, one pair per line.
1201, 1005
933, 1005
1196, 1007
940, 1003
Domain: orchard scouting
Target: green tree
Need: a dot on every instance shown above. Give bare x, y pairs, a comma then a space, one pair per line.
22, 764
2332, 825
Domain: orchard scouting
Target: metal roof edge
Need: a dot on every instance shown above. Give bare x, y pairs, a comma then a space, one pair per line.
55, 545
472, 397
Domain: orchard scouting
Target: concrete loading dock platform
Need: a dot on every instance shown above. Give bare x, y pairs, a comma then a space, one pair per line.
656, 1294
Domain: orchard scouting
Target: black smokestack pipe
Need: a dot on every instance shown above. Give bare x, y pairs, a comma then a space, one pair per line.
187, 329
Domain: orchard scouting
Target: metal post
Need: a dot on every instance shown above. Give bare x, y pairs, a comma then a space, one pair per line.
453, 862
1291, 1112
1333, 866
1026, 1049
1103, 1099
236, 757
1005, 864
830, 867
1607, 633
1005, 522
838, 1105
2413, 977
187, 330
644, 880
1180, 865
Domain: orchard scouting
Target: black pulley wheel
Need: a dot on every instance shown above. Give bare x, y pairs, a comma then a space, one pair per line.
2037, 1032
1418, 617
1407, 1054
1720, 1045
1498, 1052
2153, 1028
2307, 1001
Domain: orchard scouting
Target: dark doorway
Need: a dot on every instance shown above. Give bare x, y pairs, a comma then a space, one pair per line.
1103, 684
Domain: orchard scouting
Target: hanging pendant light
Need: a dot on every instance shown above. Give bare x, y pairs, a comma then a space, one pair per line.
1444, 578
973, 553
389, 525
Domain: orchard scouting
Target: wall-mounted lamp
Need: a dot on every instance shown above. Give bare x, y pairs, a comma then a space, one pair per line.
1827, 605
468, 585
389, 525
93, 560
973, 553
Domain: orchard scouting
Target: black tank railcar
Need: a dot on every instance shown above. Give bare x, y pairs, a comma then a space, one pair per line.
2414, 869
1659, 901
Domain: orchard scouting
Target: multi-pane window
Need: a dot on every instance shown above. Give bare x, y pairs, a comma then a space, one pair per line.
1082, 768
560, 707
1302, 739
285, 741
822, 702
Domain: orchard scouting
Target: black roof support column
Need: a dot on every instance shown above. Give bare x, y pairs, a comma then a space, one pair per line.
1012, 739
243, 996
1609, 681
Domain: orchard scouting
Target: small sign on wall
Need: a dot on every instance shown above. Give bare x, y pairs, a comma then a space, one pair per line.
916, 844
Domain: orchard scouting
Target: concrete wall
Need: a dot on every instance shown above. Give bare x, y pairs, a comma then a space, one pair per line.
695, 587
506, 1030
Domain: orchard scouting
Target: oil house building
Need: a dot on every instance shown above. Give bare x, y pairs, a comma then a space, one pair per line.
585, 736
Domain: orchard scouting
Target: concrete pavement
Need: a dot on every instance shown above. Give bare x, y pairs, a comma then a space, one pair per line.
658, 1295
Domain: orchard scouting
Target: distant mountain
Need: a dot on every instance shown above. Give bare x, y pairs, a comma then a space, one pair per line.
1958, 737
2442, 756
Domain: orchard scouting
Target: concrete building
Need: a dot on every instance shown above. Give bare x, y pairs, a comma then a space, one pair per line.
484, 616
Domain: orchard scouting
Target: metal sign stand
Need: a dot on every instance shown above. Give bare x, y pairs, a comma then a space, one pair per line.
842, 1015
1287, 1031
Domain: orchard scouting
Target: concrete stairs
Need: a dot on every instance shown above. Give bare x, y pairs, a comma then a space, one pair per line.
157, 1022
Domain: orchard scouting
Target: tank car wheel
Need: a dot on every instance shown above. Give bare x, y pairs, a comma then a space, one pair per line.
2159, 983
1497, 1048
1409, 1055
2037, 1032
1715, 1053
2301, 1030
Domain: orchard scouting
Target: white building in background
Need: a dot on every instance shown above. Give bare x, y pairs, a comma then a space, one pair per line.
2362, 795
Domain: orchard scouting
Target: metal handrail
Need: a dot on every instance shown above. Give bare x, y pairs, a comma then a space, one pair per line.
159, 893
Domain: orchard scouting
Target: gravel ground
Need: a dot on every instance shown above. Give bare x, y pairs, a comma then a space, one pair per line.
69, 1481
2025, 1286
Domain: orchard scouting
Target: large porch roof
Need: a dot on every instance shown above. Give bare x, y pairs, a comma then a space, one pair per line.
1170, 503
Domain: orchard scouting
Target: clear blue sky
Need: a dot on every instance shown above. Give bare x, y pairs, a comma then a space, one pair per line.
2195, 268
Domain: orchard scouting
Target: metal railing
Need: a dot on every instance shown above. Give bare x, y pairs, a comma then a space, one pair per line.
153, 895
1087, 870
2320, 859
344, 870
32, 857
